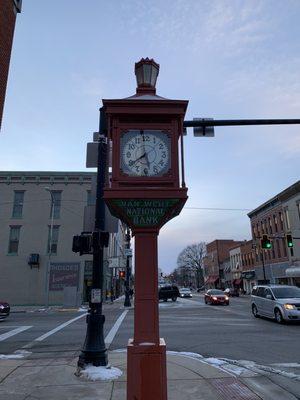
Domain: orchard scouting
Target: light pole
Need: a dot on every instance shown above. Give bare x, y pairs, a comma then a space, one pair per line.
127, 302
50, 246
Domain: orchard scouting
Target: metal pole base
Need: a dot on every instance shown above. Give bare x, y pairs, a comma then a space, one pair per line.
94, 351
127, 302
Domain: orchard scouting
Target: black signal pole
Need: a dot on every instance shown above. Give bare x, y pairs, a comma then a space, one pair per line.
94, 351
127, 302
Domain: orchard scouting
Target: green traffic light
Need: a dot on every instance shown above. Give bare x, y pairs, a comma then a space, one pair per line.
289, 240
268, 246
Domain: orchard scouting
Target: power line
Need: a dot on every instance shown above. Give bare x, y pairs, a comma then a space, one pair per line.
217, 209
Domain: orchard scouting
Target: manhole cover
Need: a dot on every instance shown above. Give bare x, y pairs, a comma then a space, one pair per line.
231, 388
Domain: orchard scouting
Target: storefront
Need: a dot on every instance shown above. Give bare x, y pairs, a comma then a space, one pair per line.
293, 273
249, 280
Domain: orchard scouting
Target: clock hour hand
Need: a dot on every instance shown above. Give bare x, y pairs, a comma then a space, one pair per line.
142, 156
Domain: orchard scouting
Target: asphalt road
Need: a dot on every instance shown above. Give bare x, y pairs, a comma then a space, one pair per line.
187, 325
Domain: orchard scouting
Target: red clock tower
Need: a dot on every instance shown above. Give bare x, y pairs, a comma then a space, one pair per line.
144, 191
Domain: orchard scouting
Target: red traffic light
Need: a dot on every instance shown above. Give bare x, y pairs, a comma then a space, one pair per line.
121, 274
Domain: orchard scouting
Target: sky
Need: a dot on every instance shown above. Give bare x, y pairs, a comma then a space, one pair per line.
231, 59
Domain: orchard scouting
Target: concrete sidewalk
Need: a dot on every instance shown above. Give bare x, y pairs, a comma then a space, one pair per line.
189, 378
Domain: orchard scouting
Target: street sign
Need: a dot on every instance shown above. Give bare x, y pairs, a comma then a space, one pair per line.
96, 296
114, 262
128, 252
207, 131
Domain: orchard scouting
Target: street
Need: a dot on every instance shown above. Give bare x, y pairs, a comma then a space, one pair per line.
187, 325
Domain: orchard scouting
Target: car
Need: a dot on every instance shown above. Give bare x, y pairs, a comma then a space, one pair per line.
279, 302
216, 296
185, 292
231, 292
166, 292
4, 310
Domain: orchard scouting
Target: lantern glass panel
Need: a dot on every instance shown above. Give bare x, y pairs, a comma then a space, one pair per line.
154, 74
147, 73
139, 75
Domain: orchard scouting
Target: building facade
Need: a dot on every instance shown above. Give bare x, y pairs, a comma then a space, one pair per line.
277, 218
217, 252
40, 212
248, 271
8, 12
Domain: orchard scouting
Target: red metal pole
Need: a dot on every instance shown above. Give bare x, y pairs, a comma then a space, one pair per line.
146, 352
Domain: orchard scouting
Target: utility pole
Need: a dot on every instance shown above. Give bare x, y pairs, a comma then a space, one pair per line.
127, 302
94, 350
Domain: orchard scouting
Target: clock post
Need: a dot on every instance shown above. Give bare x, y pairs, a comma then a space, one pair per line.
145, 192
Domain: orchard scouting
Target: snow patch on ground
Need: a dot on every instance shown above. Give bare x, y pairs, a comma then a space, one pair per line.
18, 354
93, 373
82, 309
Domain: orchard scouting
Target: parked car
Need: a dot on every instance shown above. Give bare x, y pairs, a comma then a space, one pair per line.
279, 302
4, 310
166, 292
215, 296
231, 292
185, 292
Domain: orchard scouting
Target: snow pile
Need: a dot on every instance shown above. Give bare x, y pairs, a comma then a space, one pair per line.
82, 309
93, 373
18, 354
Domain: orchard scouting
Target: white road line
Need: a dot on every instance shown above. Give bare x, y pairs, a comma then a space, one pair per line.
58, 328
112, 333
13, 332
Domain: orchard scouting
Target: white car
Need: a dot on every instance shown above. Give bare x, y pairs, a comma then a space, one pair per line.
185, 292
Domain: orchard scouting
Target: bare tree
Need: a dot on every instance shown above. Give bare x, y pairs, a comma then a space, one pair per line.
190, 263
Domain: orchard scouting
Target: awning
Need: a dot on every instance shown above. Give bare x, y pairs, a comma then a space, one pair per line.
237, 282
212, 279
293, 272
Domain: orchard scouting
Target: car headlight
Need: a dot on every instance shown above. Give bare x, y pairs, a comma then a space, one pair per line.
289, 306
226, 298
1, 307
215, 298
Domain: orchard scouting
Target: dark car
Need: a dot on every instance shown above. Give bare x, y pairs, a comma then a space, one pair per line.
166, 292
4, 310
215, 296
233, 292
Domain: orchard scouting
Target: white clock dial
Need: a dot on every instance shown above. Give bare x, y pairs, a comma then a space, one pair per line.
145, 153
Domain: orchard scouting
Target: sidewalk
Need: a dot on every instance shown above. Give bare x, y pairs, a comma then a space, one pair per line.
84, 307
189, 378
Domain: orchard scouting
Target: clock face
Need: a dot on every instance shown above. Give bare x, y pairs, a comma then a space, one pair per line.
145, 153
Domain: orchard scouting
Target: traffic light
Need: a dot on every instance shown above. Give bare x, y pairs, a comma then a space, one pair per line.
82, 244
121, 274
265, 242
289, 241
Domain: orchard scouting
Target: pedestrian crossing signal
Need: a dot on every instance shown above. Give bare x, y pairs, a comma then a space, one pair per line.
266, 242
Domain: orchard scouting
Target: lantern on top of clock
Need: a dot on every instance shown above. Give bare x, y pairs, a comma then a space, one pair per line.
145, 130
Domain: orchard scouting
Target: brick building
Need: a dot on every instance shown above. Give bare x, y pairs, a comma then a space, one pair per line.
276, 218
248, 270
216, 261
8, 12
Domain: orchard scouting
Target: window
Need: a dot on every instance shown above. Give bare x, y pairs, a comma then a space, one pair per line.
275, 223
56, 202
270, 226
54, 240
89, 200
287, 219
18, 204
14, 237
298, 208
284, 247
278, 249
281, 220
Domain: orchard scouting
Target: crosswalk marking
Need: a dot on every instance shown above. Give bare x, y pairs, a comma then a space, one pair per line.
7, 335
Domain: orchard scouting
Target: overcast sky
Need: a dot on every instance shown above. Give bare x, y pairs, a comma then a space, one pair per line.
230, 59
